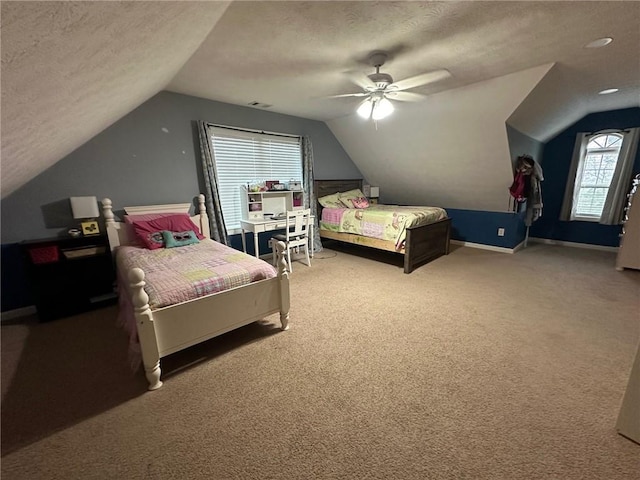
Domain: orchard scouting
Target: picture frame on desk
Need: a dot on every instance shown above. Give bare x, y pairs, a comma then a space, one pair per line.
90, 228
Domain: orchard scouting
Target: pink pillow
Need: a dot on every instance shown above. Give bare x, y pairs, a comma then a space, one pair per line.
130, 219
150, 231
360, 202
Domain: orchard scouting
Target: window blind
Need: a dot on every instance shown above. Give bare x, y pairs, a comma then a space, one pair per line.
244, 157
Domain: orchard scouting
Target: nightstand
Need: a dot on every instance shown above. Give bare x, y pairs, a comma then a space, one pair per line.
69, 275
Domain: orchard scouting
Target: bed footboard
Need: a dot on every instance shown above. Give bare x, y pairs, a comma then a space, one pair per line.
174, 328
425, 243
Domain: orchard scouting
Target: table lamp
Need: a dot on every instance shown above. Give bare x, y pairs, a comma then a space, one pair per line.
86, 209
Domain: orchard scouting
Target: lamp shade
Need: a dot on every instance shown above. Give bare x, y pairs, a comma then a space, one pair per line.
377, 106
374, 192
383, 108
365, 108
84, 207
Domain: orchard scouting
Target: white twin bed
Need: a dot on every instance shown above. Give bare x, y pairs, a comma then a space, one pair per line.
164, 329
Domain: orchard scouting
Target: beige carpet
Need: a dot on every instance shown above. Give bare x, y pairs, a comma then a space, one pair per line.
479, 365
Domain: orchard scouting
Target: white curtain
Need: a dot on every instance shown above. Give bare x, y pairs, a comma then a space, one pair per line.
621, 182
570, 191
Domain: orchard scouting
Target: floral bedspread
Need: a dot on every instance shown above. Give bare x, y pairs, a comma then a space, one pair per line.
175, 275
386, 222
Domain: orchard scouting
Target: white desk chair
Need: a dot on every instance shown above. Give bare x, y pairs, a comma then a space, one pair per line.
296, 235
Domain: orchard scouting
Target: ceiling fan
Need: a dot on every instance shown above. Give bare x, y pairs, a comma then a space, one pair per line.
379, 88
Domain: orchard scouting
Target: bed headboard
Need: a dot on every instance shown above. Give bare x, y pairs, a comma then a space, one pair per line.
119, 233
327, 187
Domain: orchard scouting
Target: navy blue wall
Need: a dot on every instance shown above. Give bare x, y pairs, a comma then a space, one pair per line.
556, 162
482, 227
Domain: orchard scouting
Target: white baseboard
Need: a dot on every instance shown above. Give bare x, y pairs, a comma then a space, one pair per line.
17, 313
493, 248
520, 246
547, 241
562, 243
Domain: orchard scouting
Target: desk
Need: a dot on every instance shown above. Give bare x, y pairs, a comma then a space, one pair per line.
259, 226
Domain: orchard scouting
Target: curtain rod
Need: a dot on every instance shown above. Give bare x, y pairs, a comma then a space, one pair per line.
254, 131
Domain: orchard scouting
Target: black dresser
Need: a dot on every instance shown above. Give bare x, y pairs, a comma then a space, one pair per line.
69, 275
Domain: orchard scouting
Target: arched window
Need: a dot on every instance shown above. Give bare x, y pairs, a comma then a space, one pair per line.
594, 175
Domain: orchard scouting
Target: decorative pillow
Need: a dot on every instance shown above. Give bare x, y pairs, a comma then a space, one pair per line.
179, 239
360, 202
150, 237
346, 197
150, 231
129, 220
331, 201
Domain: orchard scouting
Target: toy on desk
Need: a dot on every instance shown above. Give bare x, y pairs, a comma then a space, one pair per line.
256, 187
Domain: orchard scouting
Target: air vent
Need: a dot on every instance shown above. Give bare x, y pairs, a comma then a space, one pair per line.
259, 105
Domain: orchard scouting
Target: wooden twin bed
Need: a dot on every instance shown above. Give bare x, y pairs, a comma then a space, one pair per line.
422, 244
165, 330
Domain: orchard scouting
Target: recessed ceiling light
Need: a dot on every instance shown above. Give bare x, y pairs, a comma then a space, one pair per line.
601, 42
607, 91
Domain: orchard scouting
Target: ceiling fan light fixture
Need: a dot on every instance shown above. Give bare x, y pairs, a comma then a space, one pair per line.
375, 107
365, 109
383, 108
377, 86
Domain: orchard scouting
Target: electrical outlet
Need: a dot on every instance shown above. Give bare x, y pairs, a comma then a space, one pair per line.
501, 232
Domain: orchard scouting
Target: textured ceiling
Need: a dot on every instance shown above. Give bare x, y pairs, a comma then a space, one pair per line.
292, 54
71, 69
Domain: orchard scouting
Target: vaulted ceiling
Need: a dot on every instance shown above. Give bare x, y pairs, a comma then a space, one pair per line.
71, 69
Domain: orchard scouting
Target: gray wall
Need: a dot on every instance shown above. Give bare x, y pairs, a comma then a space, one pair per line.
521, 144
151, 155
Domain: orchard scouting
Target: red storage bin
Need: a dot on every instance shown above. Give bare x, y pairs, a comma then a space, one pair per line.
48, 254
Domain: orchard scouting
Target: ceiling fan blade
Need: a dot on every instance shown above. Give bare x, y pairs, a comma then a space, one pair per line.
362, 94
418, 80
362, 80
406, 96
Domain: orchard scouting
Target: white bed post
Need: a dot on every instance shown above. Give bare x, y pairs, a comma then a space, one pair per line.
146, 328
110, 223
283, 276
204, 219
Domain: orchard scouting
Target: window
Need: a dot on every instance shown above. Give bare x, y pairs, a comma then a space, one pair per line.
243, 157
594, 176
